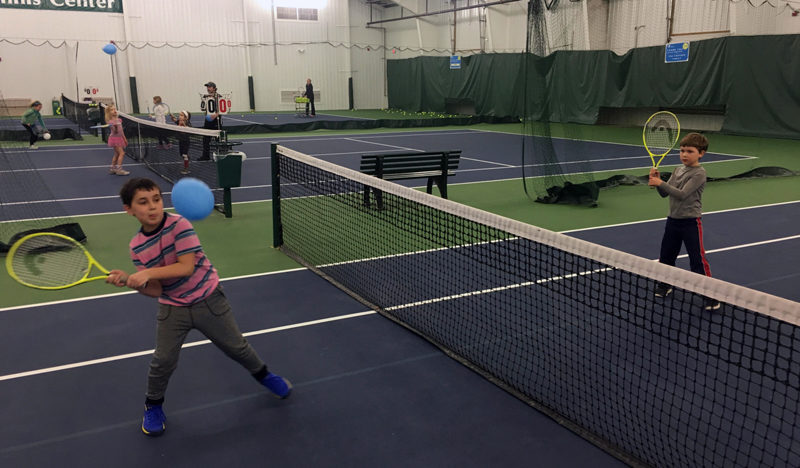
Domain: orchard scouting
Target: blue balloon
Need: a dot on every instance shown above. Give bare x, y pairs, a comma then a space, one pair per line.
110, 49
192, 199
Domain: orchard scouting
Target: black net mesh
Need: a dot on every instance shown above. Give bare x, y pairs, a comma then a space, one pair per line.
552, 173
84, 114
27, 203
572, 328
174, 152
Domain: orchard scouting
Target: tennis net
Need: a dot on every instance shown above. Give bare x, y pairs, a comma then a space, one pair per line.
84, 114
570, 327
173, 152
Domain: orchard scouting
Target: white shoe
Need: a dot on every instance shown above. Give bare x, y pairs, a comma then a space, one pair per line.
34, 147
122, 172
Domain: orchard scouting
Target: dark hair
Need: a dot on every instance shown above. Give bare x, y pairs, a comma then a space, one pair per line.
36, 103
697, 140
127, 192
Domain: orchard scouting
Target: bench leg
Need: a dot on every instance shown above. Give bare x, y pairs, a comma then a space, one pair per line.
441, 184
366, 196
379, 199
430, 185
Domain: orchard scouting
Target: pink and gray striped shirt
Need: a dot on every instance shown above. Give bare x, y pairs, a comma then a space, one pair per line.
162, 247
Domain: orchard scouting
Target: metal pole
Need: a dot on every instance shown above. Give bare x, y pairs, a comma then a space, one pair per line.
481, 5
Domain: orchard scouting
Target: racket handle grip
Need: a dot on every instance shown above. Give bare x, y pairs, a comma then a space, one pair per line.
125, 283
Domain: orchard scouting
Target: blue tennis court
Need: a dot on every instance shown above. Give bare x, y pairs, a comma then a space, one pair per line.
366, 390
78, 178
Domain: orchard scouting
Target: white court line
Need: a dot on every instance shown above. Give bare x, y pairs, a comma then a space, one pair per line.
384, 144
345, 117
331, 319
226, 118
69, 168
662, 218
597, 141
192, 344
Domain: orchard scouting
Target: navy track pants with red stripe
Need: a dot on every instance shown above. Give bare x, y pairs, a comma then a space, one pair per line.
689, 232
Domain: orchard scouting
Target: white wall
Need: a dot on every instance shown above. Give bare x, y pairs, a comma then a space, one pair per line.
173, 47
44, 63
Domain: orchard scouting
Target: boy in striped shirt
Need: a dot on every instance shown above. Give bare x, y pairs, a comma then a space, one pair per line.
172, 266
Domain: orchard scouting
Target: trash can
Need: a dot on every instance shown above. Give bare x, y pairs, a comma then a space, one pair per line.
229, 174
56, 107
229, 169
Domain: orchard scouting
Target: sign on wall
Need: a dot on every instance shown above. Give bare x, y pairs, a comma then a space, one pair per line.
676, 52
100, 6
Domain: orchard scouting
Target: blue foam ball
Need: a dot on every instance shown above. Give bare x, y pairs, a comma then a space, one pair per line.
110, 49
192, 198
209, 117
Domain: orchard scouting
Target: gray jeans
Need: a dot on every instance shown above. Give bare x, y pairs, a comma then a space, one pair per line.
213, 317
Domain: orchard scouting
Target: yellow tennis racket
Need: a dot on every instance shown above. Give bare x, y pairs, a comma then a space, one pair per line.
660, 135
48, 260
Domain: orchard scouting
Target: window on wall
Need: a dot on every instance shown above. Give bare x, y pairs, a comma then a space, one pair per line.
303, 14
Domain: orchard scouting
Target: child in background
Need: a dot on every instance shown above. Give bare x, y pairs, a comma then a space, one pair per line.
116, 140
30, 119
184, 120
160, 111
172, 266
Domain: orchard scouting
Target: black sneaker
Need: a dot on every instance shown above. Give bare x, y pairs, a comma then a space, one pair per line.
663, 290
711, 304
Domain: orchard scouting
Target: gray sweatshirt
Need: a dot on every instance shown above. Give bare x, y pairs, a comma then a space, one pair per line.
685, 191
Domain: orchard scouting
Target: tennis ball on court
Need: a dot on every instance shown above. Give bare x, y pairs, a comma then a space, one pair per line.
192, 198
276, 118
46, 136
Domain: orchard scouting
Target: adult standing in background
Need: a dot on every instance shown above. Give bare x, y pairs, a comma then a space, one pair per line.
310, 95
213, 120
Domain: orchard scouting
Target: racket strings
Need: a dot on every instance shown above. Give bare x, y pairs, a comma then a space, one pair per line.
661, 133
49, 261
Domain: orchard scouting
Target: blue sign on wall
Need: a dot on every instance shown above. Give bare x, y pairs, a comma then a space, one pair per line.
455, 62
676, 52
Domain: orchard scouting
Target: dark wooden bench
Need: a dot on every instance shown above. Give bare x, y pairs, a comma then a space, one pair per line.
436, 166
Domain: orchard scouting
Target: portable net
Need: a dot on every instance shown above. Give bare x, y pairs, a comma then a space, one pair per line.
161, 148
27, 203
570, 327
84, 114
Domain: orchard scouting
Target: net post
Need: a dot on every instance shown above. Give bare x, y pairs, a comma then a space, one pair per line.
445, 170
277, 228
226, 202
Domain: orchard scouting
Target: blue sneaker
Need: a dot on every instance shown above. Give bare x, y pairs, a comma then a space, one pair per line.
153, 420
276, 384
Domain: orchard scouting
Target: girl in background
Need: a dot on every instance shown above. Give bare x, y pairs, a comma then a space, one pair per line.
117, 141
160, 111
184, 120
30, 119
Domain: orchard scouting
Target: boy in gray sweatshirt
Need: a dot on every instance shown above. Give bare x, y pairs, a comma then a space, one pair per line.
685, 191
